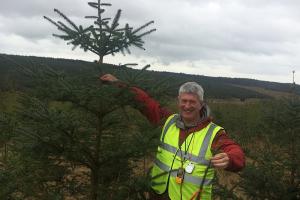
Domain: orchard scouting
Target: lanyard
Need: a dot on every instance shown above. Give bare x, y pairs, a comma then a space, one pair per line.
186, 148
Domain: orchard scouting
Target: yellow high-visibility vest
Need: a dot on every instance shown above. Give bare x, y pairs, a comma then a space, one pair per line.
195, 150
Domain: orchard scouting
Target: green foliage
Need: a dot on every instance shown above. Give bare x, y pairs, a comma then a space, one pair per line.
267, 176
219, 88
273, 172
24, 177
224, 192
104, 37
269, 134
53, 135
242, 120
77, 123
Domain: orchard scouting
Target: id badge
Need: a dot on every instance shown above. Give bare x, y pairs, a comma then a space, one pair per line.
189, 168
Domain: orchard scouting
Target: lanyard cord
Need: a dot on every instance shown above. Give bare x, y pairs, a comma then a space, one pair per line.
202, 182
182, 159
204, 177
186, 149
172, 167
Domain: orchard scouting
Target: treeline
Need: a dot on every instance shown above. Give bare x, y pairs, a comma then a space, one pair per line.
215, 87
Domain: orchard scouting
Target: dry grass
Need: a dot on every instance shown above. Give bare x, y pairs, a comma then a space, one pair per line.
271, 93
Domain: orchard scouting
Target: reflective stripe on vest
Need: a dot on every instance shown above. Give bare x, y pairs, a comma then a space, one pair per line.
200, 158
172, 121
187, 177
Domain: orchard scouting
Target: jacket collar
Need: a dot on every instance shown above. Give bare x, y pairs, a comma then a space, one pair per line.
205, 118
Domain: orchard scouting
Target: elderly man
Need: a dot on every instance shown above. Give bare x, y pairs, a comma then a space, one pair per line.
191, 146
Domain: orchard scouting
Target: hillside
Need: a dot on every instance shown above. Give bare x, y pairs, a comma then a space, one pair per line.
215, 87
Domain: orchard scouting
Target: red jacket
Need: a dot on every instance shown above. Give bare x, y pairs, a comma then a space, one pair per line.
155, 113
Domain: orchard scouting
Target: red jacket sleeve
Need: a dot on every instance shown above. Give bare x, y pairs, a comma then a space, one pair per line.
149, 106
236, 155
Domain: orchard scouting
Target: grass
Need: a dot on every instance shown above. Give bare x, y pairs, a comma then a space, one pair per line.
271, 93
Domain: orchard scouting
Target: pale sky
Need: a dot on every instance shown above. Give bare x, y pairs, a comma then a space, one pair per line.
257, 39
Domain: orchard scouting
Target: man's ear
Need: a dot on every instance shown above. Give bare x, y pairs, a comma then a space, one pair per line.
202, 104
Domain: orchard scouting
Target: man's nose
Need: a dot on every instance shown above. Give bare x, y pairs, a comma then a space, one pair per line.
188, 104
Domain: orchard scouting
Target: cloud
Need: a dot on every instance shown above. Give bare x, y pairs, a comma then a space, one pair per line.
32, 8
242, 38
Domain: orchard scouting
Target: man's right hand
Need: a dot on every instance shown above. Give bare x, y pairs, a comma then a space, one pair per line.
108, 78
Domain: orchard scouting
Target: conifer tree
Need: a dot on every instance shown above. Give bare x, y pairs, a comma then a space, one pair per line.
7, 124
75, 123
77, 137
104, 37
274, 172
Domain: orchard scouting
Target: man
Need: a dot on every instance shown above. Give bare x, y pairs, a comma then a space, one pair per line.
191, 146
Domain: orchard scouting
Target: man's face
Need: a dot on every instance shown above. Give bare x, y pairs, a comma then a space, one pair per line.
189, 106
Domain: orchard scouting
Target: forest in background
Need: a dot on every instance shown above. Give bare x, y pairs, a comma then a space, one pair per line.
216, 87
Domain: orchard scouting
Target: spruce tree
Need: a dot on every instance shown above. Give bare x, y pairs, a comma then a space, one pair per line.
104, 37
76, 137
273, 170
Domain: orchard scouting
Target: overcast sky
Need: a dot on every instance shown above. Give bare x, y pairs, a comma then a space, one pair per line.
257, 39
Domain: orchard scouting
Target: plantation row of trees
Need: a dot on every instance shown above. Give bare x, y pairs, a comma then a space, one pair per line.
269, 133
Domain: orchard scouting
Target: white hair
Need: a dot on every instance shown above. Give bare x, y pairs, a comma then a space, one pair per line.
192, 87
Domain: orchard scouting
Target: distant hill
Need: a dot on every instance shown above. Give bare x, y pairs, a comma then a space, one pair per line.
215, 87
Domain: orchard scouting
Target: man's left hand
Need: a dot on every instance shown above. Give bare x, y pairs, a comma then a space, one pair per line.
220, 160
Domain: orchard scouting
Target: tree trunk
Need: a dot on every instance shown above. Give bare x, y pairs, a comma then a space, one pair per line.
96, 166
100, 61
94, 184
5, 153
